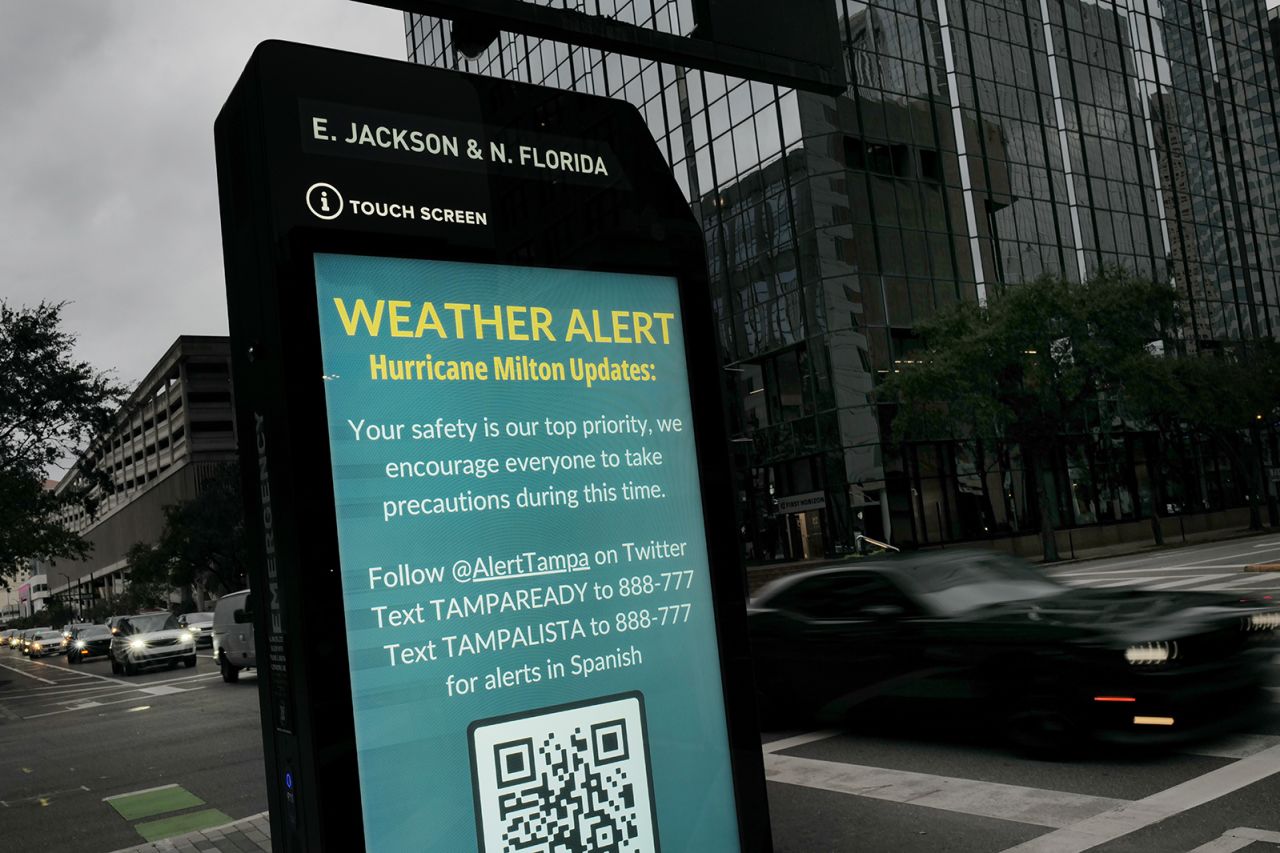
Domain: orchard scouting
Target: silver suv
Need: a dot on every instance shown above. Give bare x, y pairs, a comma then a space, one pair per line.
150, 638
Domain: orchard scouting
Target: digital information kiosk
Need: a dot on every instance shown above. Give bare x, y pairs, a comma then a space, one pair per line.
497, 592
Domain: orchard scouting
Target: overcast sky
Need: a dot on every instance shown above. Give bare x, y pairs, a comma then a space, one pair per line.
106, 129
109, 198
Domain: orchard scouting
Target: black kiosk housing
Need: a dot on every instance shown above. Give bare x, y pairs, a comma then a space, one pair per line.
281, 178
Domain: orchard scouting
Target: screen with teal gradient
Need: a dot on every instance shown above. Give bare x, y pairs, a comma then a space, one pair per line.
528, 611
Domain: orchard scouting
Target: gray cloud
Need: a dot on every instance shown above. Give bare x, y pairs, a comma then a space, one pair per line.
109, 197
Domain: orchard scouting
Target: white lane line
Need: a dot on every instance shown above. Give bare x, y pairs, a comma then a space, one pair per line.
106, 693
1263, 545
1130, 817
27, 674
967, 796
1188, 581
1246, 581
83, 674
45, 796
143, 791
798, 740
100, 704
1149, 571
1237, 747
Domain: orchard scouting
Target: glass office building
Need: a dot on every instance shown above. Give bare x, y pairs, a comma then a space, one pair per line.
977, 143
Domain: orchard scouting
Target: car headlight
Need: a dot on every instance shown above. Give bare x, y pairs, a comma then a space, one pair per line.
187, 638
137, 644
35, 647
79, 644
1149, 653
1262, 622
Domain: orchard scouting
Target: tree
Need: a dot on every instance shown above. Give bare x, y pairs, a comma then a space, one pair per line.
203, 543
1224, 397
1029, 366
51, 406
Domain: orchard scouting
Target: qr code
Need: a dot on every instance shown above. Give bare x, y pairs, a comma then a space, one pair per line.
569, 779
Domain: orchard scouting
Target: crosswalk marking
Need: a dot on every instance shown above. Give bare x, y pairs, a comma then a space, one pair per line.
1129, 817
1035, 806
1238, 839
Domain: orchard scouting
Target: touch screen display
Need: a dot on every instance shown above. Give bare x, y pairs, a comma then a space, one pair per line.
524, 567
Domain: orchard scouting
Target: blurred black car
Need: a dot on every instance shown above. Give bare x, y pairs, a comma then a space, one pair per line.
89, 642
983, 637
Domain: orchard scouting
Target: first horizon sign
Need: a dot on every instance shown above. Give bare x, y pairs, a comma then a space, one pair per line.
495, 590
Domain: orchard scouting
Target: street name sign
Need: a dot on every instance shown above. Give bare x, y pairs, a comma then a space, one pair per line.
496, 588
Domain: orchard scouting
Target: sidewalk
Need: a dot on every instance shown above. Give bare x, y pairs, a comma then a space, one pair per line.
250, 835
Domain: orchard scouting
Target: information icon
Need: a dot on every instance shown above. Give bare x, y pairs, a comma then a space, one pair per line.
324, 201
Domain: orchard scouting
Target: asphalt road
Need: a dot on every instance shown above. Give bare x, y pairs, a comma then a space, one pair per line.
71, 736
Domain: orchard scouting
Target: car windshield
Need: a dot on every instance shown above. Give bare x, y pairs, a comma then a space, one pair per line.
959, 584
93, 632
197, 618
151, 622
49, 635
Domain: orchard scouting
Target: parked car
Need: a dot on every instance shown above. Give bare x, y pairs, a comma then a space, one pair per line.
6, 637
233, 634
983, 637
201, 627
46, 642
89, 642
150, 638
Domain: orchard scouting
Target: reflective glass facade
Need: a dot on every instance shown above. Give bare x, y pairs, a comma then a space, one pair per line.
978, 142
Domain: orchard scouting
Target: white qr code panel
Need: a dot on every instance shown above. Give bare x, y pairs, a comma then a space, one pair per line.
569, 779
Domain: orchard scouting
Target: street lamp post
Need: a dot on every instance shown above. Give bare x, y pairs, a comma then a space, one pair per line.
67, 594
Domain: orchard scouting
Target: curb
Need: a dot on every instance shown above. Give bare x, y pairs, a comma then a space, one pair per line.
247, 835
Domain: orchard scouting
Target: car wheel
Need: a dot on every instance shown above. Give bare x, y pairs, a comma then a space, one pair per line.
230, 672
72, 660
1043, 730
115, 667
189, 662
130, 668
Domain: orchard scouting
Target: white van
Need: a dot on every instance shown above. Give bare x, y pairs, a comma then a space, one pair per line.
233, 634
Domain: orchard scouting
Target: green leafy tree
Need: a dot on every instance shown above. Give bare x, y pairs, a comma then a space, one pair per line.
1225, 397
51, 406
1029, 366
203, 543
